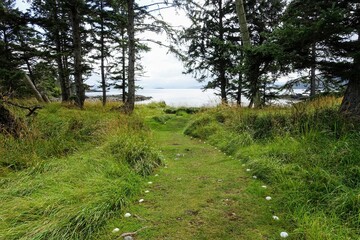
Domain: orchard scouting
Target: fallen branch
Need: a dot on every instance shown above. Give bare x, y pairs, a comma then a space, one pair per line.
32, 110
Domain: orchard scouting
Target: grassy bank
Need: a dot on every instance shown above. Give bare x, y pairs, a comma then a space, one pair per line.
71, 171
308, 153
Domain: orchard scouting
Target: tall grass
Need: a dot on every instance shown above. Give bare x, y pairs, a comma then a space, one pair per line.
71, 172
309, 153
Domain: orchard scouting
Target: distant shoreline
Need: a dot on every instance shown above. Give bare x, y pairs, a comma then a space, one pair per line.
117, 97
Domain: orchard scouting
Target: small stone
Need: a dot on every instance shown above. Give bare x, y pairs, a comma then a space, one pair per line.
178, 155
141, 200
128, 238
284, 234
248, 169
254, 177
275, 218
115, 230
127, 215
268, 198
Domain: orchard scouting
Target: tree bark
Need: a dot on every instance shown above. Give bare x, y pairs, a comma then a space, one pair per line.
222, 70
312, 71
76, 34
350, 105
130, 102
102, 43
64, 83
123, 68
252, 77
33, 88
239, 90
240, 10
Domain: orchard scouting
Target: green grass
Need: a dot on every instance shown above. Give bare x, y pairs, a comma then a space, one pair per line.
308, 153
200, 193
73, 174
71, 194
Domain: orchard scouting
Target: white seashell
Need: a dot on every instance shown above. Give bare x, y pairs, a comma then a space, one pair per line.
115, 230
141, 200
149, 182
284, 234
147, 191
127, 215
275, 218
263, 186
268, 198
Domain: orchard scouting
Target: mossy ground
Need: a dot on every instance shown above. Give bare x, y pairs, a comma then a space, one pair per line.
200, 193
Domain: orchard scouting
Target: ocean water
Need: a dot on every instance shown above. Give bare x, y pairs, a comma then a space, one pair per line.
173, 97
181, 97
184, 97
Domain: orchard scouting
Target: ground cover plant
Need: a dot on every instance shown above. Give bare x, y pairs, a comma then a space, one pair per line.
71, 171
308, 153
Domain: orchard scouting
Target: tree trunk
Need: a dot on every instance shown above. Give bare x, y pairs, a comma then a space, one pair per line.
102, 43
123, 67
312, 71
240, 10
64, 83
130, 102
222, 70
239, 90
253, 78
33, 88
350, 105
76, 34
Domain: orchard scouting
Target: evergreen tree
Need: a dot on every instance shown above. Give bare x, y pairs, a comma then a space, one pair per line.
262, 17
18, 46
53, 18
334, 27
211, 39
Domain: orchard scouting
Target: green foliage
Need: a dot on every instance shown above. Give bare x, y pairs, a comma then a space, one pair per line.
181, 110
134, 150
308, 153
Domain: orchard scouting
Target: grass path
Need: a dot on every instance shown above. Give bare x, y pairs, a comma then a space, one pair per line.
199, 194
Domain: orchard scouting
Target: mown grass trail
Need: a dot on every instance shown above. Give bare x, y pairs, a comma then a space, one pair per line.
200, 193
